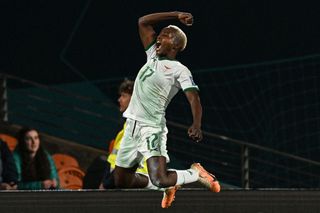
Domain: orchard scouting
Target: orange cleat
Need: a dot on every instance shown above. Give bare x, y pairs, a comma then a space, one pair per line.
168, 196
206, 178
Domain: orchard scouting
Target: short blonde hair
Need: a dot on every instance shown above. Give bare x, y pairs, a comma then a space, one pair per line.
180, 35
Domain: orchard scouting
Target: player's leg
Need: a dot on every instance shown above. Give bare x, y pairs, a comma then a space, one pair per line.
157, 158
157, 167
125, 179
153, 146
158, 174
128, 178
128, 159
154, 150
163, 178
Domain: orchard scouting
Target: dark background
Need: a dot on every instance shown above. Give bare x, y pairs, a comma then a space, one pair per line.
76, 40
95, 44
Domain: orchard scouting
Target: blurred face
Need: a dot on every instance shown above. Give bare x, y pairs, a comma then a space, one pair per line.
165, 41
32, 141
124, 100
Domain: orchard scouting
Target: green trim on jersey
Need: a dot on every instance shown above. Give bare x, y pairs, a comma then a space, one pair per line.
191, 89
150, 45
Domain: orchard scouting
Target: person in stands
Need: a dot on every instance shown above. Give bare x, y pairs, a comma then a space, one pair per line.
125, 93
36, 168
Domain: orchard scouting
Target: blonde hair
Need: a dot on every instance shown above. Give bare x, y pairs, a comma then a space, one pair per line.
181, 36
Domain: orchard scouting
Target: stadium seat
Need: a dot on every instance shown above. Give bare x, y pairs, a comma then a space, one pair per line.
10, 140
71, 178
64, 160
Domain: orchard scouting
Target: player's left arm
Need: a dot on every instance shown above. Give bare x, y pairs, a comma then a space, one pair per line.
194, 130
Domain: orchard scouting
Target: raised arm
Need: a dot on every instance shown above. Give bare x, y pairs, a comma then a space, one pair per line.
146, 23
194, 130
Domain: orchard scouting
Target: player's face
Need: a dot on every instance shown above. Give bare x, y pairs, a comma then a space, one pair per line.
32, 141
124, 100
165, 42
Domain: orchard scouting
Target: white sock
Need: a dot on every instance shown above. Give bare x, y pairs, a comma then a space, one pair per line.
183, 177
186, 176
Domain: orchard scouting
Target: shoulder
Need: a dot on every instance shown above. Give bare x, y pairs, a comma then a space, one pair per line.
179, 68
16, 156
48, 155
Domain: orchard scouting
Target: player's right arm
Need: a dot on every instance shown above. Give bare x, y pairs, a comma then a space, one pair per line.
146, 23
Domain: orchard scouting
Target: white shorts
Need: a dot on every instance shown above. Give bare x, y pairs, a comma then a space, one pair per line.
141, 141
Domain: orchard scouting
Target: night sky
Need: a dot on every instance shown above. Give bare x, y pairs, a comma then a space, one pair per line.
85, 40
96, 43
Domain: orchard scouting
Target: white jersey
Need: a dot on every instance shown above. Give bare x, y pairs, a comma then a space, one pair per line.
157, 82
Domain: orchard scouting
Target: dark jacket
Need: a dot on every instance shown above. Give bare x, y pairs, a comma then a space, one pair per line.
8, 170
33, 184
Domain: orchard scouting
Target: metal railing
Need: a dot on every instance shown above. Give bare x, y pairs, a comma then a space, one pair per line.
245, 164
4, 99
235, 162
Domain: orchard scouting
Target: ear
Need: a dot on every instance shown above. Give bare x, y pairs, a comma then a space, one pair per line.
176, 45
177, 48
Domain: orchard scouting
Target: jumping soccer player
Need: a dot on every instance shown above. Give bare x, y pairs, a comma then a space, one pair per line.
145, 135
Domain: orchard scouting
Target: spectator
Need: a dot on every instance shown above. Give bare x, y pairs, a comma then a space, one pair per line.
125, 93
8, 171
36, 169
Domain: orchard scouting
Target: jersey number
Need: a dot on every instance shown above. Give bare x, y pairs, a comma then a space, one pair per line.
152, 142
146, 73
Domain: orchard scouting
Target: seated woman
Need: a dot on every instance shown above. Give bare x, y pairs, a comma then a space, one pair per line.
35, 167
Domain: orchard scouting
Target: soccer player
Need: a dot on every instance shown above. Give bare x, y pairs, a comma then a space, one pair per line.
146, 133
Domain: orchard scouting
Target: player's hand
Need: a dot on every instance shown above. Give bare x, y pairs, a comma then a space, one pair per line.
7, 186
195, 133
47, 184
186, 18
54, 183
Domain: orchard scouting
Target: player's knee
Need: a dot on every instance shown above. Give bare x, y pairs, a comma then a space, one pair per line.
158, 181
118, 181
